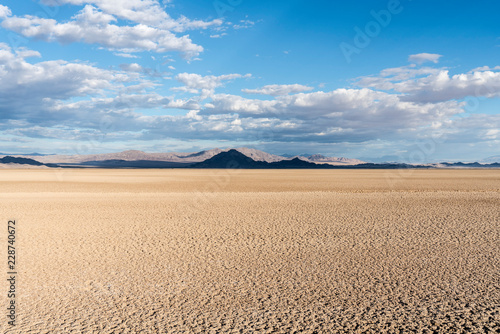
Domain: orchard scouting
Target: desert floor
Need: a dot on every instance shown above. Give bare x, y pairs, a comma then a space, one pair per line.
218, 251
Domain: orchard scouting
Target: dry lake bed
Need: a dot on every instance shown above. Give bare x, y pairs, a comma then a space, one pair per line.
254, 251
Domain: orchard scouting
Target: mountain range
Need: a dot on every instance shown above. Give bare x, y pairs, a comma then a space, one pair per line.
245, 158
182, 157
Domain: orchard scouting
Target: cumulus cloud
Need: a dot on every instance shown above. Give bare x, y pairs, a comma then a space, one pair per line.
424, 57
94, 26
442, 86
341, 108
142, 11
434, 85
134, 67
4, 11
69, 101
147, 12
485, 68
21, 82
193, 82
244, 24
42, 93
125, 55
387, 78
277, 90
218, 35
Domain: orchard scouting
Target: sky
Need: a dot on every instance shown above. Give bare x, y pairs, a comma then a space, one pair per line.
413, 81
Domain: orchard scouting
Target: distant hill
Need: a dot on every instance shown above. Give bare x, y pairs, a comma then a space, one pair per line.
468, 165
258, 155
231, 159
492, 159
23, 161
297, 163
236, 159
319, 158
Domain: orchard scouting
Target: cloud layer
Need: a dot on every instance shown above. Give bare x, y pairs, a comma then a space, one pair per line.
424, 57
277, 90
73, 101
147, 27
435, 85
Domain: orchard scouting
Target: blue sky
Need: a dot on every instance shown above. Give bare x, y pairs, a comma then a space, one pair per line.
415, 80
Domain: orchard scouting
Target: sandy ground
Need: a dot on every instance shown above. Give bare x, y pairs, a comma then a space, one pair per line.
211, 251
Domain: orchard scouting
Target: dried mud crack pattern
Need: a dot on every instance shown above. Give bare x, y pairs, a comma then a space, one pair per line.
361, 258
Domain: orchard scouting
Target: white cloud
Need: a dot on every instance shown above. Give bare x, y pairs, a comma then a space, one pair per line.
345, 107
492, 134
43, 93
4, 11
134, 67
68, 101
93, 26
485, 68
218, 35
195, 82
388, 77
125, 55
49, 79
443, 87
433, 85
424, 57
147, 12
244, 24
276, 90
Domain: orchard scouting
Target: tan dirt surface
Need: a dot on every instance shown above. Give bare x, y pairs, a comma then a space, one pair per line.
272, 251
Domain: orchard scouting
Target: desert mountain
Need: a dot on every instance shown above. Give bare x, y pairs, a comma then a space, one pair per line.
236, 159
177, 157
135, 155
230, 159
258, 155
131, 155
22, 161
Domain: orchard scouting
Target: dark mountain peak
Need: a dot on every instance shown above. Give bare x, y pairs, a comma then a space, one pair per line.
236, 159
296, 163
230, 159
